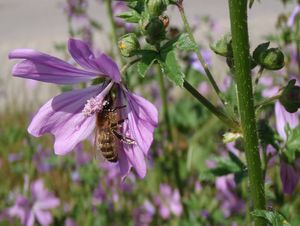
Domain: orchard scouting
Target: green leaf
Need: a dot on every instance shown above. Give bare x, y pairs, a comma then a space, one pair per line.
292, 144
181, 42
170, 67
293, 141
274, 218
231, 165
185, 43
131, 16
223, 46
147, 60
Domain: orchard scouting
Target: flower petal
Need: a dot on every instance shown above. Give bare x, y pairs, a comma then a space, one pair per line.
283, 118
43, 217
108, 67
133, 153
62, 116
124, 164
289, 177
103, 64
82, 54
142, 119
46, 68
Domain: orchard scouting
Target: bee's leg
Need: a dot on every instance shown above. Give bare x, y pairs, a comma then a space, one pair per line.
118, 107
123, 138
119, 123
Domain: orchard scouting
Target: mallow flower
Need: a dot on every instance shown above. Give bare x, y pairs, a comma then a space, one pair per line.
71, 116
289, 173
35, 208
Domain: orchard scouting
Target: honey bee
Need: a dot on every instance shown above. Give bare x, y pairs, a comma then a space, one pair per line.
108, 135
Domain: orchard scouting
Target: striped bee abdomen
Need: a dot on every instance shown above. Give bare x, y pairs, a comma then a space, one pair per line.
106, 143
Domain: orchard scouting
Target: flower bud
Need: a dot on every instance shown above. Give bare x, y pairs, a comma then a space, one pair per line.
154, 30
290, 97
223, 46
271, 59
128, 44
156, 7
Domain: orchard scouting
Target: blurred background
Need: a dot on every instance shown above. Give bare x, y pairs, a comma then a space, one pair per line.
39, 24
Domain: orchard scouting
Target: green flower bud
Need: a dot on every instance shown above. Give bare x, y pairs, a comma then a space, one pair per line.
290, 97
156, 7
155, 31
128, 44
271, 59
223, 46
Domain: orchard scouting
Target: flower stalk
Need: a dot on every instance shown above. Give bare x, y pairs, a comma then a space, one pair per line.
197, 51
217, 112
241, 54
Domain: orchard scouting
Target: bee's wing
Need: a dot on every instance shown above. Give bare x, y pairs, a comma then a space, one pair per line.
96, 149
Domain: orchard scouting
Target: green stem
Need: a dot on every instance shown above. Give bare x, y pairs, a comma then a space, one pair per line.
114, 35
266, 102
217, 112
240, 44
165, 107
126, 66
198, 53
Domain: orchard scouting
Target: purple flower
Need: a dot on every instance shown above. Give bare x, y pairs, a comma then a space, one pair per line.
143, 215
168, 202
289, 173
290, 176
71, 116
70, 222
284, 118
41, 160
292, 18
195, 63
35, 208
118, 8
230, 202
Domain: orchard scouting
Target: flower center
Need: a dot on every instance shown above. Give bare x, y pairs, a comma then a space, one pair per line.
93, 105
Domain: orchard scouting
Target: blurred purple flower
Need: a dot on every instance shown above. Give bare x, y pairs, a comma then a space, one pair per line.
82, 157
35, 208
204, 88
118, 8
99, 195
290, 176
75, 7
71, 116
168, 202
143, 215
289, 173
41, 160
13, 157
70, 222
293, 16
230, 202
195, 63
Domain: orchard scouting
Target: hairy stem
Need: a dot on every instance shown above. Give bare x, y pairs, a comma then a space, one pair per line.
240, 44
217, 112
198, 53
